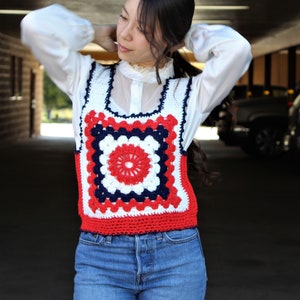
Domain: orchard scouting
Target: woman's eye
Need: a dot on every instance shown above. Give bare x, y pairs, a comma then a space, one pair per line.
123, 18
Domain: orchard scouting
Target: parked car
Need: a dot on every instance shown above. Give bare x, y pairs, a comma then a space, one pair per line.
256, 124
291, 140
244, 91
238, 92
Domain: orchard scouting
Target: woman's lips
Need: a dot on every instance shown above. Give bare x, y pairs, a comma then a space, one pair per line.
123, 49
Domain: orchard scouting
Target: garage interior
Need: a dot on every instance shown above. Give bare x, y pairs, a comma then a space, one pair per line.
248, 219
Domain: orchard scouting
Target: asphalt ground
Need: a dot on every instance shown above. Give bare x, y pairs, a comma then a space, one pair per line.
248, 220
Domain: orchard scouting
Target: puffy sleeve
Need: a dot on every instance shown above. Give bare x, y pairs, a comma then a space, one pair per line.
54, 36
227, 56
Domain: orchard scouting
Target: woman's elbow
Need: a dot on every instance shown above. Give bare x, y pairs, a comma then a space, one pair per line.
28, 28
244, 50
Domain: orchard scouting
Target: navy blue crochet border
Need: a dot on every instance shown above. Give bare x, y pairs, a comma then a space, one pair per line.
101, 193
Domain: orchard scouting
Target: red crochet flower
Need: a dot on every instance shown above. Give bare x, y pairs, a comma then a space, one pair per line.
129, 164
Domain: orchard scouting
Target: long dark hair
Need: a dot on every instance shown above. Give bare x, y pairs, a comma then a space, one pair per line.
173, 19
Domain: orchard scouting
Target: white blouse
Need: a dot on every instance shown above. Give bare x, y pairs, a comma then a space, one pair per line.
55, 35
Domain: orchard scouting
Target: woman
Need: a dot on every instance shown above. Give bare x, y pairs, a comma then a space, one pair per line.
133, 123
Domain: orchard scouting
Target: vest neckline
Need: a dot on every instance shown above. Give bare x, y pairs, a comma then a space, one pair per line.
141, 114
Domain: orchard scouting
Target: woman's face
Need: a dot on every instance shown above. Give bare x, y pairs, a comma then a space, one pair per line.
132, 44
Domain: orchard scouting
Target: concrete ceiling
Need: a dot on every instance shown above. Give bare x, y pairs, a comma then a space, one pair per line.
269, 25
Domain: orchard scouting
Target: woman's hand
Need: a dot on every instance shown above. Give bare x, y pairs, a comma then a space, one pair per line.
105, 36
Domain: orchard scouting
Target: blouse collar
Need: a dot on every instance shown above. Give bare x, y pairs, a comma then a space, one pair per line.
144, 74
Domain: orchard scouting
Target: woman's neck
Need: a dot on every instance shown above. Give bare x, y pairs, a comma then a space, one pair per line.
146, 74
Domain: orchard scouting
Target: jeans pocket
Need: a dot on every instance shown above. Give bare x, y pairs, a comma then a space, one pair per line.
89, 238
181, 236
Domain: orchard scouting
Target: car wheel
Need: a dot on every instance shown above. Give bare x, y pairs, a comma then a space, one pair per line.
265, 142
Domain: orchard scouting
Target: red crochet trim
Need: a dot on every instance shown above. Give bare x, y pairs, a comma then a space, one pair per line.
149, 223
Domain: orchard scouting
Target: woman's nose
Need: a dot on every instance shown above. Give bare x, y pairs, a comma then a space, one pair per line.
127, 32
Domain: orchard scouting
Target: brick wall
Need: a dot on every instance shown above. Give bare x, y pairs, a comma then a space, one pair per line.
21, 91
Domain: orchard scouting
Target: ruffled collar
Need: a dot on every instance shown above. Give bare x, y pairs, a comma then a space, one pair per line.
144, 74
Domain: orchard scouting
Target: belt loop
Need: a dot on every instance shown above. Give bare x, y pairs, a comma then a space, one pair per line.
159, 236
108, 239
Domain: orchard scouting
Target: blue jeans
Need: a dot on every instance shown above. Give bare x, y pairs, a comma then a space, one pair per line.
158, 266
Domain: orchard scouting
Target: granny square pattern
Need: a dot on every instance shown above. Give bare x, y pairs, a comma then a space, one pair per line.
130, 164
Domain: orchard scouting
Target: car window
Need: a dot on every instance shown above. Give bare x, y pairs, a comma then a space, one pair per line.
278, 92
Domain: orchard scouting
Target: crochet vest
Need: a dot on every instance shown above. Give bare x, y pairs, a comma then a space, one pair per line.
132, 169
